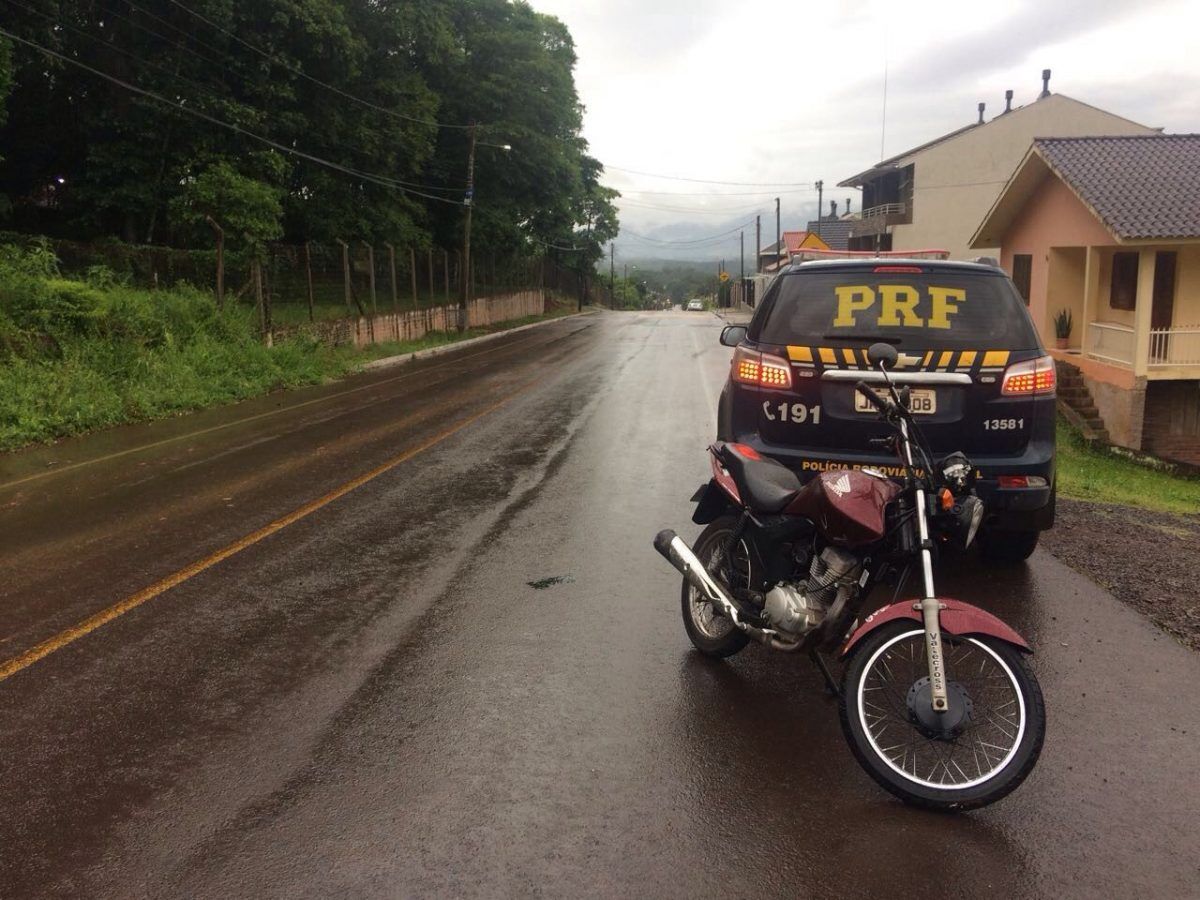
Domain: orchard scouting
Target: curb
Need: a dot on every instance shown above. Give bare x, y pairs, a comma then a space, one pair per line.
388, 361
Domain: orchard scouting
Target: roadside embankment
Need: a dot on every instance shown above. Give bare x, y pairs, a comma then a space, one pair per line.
80, 354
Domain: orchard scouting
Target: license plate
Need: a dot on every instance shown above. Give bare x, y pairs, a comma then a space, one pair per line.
922, 401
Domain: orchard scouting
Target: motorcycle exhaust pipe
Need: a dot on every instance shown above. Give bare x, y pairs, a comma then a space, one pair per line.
680, 555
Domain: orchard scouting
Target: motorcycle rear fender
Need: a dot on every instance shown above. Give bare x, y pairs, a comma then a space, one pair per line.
957, 618
711, 502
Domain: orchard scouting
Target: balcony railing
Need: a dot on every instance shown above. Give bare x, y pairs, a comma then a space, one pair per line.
1110, 342
884, 210
1178, 346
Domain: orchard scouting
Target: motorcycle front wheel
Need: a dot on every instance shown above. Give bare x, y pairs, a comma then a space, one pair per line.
973, 754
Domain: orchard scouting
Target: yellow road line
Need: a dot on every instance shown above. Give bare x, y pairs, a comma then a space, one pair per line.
37, 476
90, 624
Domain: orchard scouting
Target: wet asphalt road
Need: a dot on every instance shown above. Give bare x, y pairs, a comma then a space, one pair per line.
373, 701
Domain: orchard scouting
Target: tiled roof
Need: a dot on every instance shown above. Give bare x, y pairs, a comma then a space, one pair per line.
835, 232
1140, 186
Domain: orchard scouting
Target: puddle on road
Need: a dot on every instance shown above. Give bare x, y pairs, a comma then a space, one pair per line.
542, 583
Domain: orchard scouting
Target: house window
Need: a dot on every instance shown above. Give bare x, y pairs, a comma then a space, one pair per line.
1022, 274
1123, 290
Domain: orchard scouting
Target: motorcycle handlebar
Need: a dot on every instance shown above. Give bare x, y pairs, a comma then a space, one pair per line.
878, 402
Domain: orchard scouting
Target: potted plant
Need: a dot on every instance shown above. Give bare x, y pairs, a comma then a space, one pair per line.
1062, 328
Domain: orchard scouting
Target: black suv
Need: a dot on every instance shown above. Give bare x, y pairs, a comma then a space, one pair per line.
981, 380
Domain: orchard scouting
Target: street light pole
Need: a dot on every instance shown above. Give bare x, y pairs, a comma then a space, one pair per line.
468, 202
820, 201
778, 238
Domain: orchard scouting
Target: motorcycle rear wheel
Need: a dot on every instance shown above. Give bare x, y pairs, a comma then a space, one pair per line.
710, 632
975, 754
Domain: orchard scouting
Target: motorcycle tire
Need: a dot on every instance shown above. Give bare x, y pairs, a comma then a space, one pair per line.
867, 703
714, 635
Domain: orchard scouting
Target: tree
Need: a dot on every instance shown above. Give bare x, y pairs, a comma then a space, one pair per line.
241, 204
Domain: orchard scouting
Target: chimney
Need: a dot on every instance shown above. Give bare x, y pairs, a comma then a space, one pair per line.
847, 206
1045, 83
1008, 101
833, 209
982, 106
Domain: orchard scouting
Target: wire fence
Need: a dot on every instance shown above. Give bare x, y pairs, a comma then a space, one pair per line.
294, 284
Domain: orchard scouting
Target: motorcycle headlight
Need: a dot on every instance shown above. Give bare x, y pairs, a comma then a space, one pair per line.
957, 472
968, 516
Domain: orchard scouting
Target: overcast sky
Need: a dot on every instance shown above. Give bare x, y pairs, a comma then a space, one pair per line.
788, 93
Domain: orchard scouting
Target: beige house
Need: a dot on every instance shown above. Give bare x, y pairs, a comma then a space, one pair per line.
935, 195
1107, 230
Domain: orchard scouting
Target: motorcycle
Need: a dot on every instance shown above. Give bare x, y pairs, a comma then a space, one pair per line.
937, 701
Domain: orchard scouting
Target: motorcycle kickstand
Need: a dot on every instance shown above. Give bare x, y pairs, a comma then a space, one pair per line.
830, 685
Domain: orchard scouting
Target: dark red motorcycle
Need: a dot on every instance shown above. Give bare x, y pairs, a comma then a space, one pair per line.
938, 703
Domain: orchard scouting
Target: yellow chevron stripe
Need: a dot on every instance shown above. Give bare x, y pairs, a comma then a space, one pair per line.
925, 361
848, 355
866, 362
800, 354
995, 358
945, 359
967, 359
827, 356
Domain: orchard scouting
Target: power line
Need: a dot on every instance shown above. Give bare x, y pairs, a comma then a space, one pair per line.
237, 129
298, 71
807, 190
205, 89
795, 184
720, 211
703, 240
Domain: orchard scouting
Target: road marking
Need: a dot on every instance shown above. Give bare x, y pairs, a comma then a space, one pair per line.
58, 470
90, 624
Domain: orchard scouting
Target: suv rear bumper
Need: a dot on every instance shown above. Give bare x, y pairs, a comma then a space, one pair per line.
1008, 509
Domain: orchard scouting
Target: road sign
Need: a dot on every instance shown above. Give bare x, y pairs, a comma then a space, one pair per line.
724, 277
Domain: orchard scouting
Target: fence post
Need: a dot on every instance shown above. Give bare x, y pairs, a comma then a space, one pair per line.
346, 272
412, 267
446, 272
264, 323
220, 261
308, 278
371, 278
429, 254
392, 269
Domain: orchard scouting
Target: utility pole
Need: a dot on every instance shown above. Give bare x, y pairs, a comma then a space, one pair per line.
612, 272
778, 238
468, 202
742, 238
820, 206
758, 245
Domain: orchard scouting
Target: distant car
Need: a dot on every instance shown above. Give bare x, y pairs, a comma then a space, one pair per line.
981, 380
695, 306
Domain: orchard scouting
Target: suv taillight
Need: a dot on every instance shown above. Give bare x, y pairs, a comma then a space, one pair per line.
761, 369
1034, 376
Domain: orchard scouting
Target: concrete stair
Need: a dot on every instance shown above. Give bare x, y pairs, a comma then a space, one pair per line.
1076, 404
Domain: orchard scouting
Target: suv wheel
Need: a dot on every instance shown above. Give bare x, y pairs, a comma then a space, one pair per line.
1007, 547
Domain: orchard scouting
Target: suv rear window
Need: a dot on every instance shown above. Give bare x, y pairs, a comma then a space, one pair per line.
918, 310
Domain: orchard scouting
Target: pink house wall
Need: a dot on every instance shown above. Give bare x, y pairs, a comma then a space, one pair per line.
1052, 217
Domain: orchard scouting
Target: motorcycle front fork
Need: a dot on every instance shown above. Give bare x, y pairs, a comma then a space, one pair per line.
930, 613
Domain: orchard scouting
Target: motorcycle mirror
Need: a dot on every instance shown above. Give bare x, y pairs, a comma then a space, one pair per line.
732, 335
882, 354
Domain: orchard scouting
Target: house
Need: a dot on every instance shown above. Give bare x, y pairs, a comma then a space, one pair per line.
770, 259
833, 230
1108, 229
934, 195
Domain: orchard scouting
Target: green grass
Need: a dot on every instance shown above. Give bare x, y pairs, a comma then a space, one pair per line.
79, 355
1103, 476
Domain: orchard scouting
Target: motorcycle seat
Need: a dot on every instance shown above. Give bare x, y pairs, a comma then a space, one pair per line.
765, 485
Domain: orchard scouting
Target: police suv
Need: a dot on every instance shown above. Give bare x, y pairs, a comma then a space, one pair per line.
980, 379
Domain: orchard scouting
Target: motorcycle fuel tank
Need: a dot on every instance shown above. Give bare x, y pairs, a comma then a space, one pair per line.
847, 505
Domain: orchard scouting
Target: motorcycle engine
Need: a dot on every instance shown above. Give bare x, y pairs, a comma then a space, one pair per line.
798, 610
